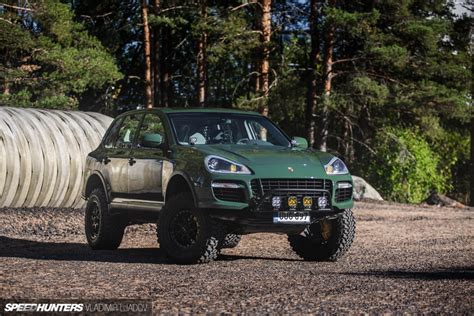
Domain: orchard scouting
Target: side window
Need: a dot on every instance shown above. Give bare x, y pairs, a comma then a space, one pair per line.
109, 141
152, 128
126, 134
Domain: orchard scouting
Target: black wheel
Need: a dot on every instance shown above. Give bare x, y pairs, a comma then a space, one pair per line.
326, 240
229, 241
185, 232
102, 230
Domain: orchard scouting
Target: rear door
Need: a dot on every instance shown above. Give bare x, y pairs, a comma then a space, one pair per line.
146, 173
117, 155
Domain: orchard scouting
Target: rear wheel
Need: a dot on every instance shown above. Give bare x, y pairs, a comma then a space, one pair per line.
326, 240
102, 230
230, 241
185, 232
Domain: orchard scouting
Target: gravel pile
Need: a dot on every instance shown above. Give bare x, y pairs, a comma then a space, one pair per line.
404, 259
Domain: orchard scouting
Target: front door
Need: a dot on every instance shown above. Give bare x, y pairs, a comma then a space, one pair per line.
148, 156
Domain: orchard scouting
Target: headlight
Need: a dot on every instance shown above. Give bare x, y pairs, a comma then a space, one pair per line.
221, 165
336, 166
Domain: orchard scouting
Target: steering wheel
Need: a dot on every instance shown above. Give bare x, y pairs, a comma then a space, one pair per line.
243, 141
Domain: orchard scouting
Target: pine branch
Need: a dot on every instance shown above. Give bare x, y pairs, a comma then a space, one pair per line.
93, 17
347, 60
16, 7
176, 8
5, 20
244, 5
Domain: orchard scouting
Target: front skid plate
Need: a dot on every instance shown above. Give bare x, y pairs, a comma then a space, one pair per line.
247, 221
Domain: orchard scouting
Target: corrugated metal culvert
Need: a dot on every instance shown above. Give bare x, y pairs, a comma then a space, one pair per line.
42, 155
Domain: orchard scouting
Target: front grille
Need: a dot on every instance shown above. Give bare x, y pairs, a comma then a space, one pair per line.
289, 185
343, 194
285, 187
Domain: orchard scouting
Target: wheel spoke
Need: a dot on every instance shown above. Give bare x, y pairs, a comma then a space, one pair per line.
184, 228
94, 221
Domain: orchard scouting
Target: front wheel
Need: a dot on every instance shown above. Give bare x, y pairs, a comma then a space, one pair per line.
326, 240
185, 232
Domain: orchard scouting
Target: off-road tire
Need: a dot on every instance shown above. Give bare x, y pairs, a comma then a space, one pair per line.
205, 246
311, 246
107, 234
230, 241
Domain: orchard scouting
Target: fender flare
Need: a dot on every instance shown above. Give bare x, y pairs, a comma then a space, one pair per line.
187, 179
99, 175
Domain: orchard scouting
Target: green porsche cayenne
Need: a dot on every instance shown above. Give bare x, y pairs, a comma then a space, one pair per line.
208, 176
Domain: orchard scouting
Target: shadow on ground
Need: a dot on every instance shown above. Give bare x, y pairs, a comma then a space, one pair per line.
30, 249
455, 273
44, 250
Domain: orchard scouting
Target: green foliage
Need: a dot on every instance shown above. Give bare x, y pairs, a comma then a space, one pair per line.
399, 66
406, 169
164, 21
233, 37
51, 63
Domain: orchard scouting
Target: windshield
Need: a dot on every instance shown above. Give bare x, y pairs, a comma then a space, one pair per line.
226, 128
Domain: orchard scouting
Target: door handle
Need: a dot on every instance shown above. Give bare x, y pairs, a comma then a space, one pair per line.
132, 161
105, 160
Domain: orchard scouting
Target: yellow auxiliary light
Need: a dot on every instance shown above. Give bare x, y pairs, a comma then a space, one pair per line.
233, 168
307, 202
292, 201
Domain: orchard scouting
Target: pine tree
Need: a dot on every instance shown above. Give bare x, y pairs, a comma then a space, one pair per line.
202, 58
49, 60
264, 68
314, 61
147, 53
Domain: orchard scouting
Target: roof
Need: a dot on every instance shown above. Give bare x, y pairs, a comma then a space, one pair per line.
205, 110
194, 110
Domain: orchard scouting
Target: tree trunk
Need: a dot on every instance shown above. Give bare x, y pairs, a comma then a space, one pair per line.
266, 6
262, 84
6, 88
164, 66
314, 59
257, 71
201, 60
156, 56
256, 54
471, 196
147, 51
348, 139
321, 141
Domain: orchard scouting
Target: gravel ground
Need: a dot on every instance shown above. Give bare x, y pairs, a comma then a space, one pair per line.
404, 259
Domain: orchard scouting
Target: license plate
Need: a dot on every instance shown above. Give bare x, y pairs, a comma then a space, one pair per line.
291, 218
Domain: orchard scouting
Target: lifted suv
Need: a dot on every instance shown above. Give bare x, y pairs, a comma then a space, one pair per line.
208, 176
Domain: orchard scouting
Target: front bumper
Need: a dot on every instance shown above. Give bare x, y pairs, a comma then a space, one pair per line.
252, 191
255, 212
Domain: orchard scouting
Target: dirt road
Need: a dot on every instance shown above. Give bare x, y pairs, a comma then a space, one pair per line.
404, 259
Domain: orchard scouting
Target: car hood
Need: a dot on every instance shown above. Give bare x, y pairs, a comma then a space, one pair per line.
273, 160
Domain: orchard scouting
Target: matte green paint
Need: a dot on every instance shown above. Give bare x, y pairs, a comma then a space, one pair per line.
152, 140
264, 161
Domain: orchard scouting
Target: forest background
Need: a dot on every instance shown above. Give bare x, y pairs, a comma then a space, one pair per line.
384, 84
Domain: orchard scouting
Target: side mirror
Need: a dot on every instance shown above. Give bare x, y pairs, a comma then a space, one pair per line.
152, 140
299, 142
